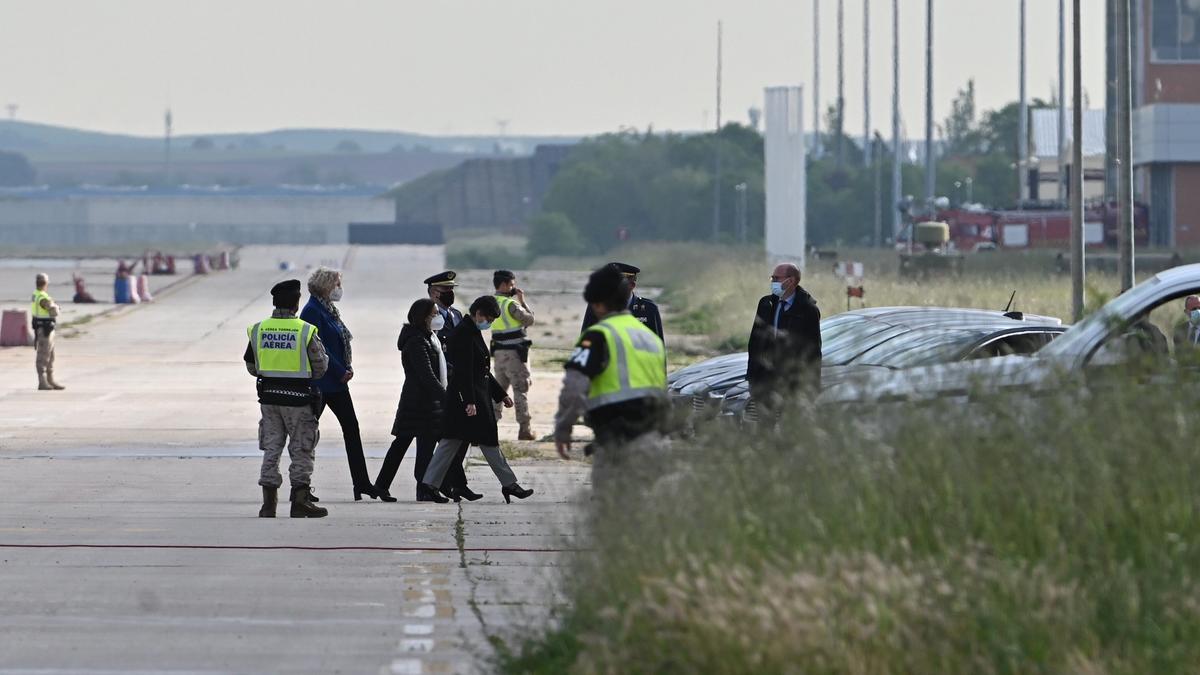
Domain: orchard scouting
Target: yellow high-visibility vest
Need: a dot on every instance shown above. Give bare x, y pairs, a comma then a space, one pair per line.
506, 330
637, 365
36, 310
281, 347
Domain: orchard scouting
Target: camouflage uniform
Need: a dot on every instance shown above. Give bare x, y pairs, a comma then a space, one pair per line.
292, 425
511, 367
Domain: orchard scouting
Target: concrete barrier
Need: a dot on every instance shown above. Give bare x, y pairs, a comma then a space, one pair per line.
14, 329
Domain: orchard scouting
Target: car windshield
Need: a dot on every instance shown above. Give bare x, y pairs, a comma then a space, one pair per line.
1122, 306
920, 347
856, 339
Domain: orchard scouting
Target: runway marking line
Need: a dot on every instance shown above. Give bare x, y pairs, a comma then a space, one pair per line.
230, 547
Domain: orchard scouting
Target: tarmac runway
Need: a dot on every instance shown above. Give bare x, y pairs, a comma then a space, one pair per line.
129, 540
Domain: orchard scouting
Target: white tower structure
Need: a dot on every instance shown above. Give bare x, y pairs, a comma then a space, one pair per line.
785, 175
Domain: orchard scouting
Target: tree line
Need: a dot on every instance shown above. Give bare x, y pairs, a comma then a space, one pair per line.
645, 186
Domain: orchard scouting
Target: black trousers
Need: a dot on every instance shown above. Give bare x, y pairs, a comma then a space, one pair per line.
395, 455
343, 409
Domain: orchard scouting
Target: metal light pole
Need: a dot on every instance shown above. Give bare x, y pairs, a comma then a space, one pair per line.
716, 224
1076, 191
875, 145
841, 83
930, 166
816, 83
895, 119
1125, 260
868, 155
1023, 121
740, 190
1062, 101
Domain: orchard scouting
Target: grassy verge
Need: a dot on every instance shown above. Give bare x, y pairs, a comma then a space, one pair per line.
1005, 538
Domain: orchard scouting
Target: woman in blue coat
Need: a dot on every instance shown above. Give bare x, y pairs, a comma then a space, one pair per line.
325, 288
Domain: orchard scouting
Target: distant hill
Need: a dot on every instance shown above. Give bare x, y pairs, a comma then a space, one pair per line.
44, 141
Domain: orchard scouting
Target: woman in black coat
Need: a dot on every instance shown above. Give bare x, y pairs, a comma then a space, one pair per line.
470, 417
419, 414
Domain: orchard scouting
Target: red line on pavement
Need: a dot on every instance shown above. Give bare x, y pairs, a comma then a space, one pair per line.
224, 547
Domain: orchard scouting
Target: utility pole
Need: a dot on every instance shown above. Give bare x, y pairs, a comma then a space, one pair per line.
716, 225
1023, 121
816, 83
867, 155
1076, 191
1124, 148
841, 84
875, 145
895, 119
930, 165
1062, 101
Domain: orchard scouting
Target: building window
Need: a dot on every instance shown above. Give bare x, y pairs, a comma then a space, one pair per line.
1175, 30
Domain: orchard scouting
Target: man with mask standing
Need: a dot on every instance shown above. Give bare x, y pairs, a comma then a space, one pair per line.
441, 291
785, 344
286, 355
510, 347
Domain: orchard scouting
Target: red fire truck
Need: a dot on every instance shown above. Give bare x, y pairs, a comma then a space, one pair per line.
977, 229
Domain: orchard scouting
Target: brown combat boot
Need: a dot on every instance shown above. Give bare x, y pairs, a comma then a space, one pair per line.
50, 381
270, 499
526, 434
43, 385
302, 506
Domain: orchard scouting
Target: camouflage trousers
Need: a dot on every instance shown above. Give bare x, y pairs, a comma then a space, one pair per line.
296, 427
510, 370
44, 344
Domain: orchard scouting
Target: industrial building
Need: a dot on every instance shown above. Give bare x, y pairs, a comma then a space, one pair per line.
99, 216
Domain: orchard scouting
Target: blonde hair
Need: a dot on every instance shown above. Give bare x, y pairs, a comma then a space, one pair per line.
323, 280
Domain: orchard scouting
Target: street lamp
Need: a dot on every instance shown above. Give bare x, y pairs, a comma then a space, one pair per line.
970, 190
740, 205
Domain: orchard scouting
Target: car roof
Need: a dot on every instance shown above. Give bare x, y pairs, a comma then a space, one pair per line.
921, 317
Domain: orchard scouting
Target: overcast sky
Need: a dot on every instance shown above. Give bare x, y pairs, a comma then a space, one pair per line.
459, 66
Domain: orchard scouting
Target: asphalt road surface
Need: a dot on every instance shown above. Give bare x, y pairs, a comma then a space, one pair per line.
129, 540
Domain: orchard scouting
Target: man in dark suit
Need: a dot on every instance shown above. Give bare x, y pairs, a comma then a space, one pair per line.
642, 309
441, 291
785, 342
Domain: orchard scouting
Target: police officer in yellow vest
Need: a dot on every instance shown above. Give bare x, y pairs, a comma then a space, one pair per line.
286, 355
510, 348
617, 375
44, 312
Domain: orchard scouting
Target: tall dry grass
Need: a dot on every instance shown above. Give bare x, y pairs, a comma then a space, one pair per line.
1003, 538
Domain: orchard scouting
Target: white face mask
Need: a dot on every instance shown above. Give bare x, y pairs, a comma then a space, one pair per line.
437, 323
336, 294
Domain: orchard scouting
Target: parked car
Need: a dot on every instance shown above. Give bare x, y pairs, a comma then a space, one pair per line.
1106, 338
875, 338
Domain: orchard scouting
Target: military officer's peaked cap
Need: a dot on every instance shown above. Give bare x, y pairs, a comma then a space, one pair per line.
286, 288
626, 269
442, 279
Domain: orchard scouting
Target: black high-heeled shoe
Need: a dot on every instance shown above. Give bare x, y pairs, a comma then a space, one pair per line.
467, 494
384, 495
515, 490
367, 490
449, 493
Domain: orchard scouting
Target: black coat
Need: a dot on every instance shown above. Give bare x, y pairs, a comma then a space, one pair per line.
471, 382
790, 356
422, 400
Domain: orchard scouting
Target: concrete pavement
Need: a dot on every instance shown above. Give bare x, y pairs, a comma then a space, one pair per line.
128, 536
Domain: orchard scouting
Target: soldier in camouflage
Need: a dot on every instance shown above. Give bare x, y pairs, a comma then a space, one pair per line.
286, 355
